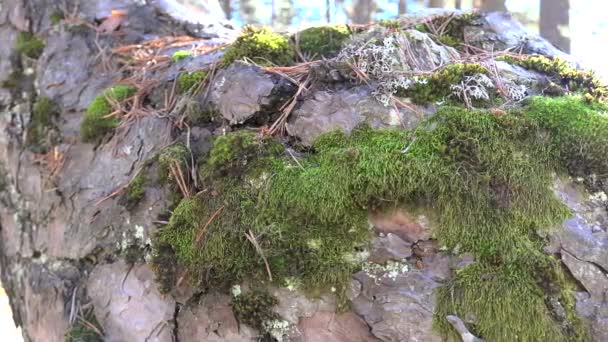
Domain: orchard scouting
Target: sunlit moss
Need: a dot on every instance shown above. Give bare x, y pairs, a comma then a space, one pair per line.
261, 46
187, 80
181, 54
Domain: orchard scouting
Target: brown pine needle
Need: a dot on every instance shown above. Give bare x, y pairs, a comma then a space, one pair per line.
201, 234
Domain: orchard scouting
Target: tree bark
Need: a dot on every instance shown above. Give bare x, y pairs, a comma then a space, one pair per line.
494, 5
436, 3
402, 7
554, 15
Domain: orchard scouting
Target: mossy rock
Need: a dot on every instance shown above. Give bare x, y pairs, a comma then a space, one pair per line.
322, 41
135, 191
96, 122
254, 308
487, 178
81, 332
29, 45
261, 46
41, 130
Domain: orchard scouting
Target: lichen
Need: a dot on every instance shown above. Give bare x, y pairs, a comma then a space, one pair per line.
439, 85
187, 80
85, 332
96, 122
255, 309
322, 41
261, 46
29, 45
41, 133
181, 54
574, 80
176, 156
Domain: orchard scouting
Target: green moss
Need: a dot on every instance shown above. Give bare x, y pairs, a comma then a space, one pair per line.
81, 332
581, 81
164, 266
174, 155
135, 191
390, 23
487, 178
261, 46
188, 80
56, 17
322, 41
40, 136
436, 87
254, 308
29, 45
181, 54
96, 123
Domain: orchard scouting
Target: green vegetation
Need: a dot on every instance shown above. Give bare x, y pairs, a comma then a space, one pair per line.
452, 33
29, 45
96, 122
40, 129
188, 80
81, 332
487, 179
436, 87
135, 191
390, 24
581, 81
322, 41
164, 266
56, 17
173, 156
181, 54
254, 308
261, 46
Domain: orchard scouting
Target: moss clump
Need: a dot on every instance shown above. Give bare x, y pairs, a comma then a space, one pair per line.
261, 46
173, 156
390, 24
41, 131
574, 80
188, 80
56, 17
254, 308
135, 191
436, 87
81, 332
96, 122
181, 54
29, 45
322, 41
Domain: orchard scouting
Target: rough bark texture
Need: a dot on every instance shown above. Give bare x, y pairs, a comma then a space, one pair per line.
555, 15
73, 249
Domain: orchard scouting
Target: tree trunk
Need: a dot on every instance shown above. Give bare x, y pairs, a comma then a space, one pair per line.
554, 15
402, 7
494, 5
436, 3
362, 11
227, 8
458, 4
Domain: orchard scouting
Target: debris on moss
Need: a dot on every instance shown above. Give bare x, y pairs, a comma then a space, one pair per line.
574, 80
96, 122
255, 308
390, 23
452, 32
41, 131
261, 46
322, 41
174, 155
29, 45
187, 80
181, 54
85, 332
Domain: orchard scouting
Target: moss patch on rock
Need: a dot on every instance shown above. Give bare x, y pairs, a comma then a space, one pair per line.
187, 80
41, 130
254, 308
29, 45
261, 46
574, 80
81, 332
436, 87
173, 156
180, 55
96, 122
322, 41
135, 191
452, 33
486, 177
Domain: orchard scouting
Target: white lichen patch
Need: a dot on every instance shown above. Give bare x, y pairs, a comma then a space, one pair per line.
357, 257
599, 197
292, 283
278, 329
236, 290
473, 87
391, 270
